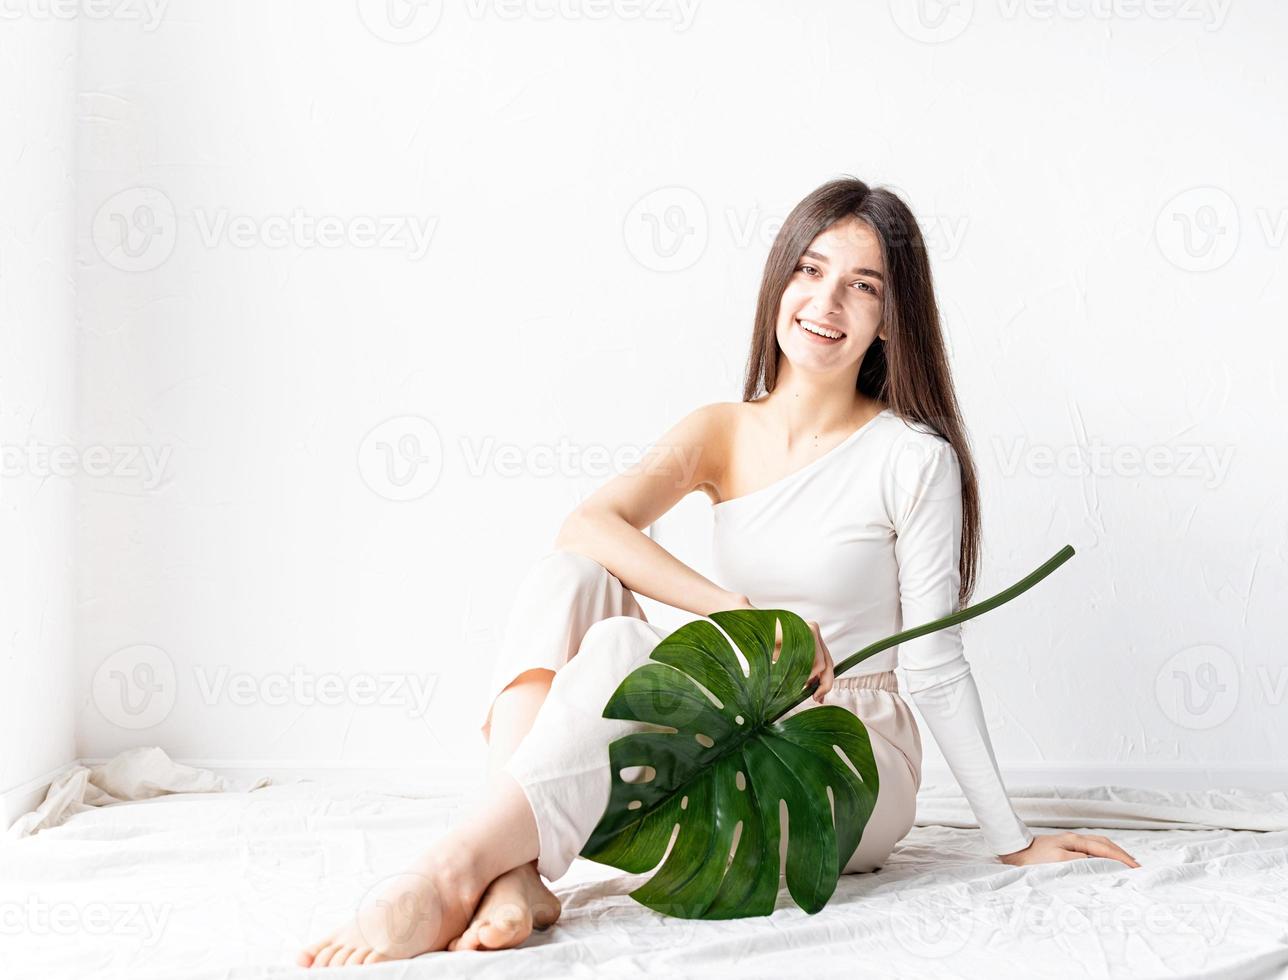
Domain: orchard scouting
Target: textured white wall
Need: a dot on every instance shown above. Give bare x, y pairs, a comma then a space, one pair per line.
534, 241
38, 445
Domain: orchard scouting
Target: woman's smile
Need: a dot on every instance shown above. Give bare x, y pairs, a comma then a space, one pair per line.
815, 330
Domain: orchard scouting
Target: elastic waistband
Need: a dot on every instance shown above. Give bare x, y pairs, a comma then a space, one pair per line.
881, 680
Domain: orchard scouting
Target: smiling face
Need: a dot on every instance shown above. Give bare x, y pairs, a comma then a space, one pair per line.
831, 309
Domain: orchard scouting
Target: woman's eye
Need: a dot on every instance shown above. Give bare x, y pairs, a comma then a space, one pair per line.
806, 268
867, 286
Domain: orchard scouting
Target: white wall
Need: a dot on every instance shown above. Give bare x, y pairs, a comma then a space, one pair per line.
1051, 158
37, 391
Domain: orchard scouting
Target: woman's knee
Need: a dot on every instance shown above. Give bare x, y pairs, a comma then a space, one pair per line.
611, 648
571, 569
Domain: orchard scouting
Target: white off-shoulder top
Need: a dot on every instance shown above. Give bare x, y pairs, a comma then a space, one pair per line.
865, 541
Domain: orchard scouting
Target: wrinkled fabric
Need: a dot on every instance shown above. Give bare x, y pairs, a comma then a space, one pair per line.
135, 774
227, 886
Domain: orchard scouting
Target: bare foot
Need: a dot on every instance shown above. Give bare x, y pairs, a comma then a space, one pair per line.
411, 913
511, 907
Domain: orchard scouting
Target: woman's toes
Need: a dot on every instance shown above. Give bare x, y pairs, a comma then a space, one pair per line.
326, 955
506, 925
348, 956
308, 954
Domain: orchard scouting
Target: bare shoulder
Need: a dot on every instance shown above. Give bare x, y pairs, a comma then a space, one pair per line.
707, 434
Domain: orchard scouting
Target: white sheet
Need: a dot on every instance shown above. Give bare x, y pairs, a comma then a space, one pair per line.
228, 885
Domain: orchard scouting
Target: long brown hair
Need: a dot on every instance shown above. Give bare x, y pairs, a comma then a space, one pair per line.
909, 371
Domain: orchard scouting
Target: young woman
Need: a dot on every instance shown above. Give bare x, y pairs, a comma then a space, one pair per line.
843, 489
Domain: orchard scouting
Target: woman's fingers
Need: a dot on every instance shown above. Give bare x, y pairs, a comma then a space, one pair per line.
1097, 846
823, 668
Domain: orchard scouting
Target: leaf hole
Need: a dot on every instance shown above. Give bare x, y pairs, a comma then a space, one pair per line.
849, 765
733, 845
706, 741
634, 805
684, 803
638, 774
740, 780
785, 836
739, 719
710, 697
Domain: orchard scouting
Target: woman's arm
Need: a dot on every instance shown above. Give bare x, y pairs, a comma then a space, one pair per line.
925, 507
608, 525
925, 500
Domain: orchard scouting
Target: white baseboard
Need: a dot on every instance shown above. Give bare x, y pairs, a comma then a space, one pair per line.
370, 773
455, 775
25, 797
1142, 775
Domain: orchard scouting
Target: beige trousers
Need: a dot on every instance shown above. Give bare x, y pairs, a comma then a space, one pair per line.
574, 617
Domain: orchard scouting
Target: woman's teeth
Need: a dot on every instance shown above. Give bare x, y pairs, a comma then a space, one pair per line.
818, 331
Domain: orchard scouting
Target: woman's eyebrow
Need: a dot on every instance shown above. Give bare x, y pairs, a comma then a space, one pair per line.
857, 271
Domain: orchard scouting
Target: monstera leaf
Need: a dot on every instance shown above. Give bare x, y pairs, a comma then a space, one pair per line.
722, 757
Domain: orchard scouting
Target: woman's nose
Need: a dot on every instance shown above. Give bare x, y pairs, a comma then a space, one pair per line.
826, 297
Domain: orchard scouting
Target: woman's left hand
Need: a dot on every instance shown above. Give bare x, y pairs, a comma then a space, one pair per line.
822, 668
1048, 848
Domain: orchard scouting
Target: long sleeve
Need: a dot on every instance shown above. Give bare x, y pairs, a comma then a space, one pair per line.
925, 493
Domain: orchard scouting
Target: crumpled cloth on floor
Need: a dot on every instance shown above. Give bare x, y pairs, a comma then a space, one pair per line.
135, 774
